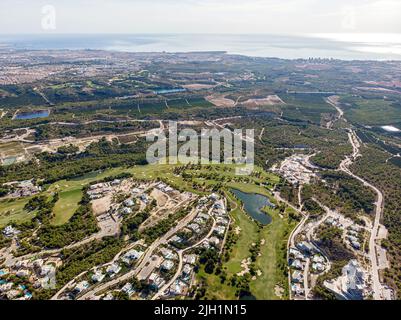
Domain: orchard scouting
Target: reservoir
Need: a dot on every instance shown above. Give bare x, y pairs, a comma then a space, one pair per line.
32, 115
253, 205
173, 90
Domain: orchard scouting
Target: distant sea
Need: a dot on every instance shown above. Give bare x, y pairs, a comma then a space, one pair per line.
337, 46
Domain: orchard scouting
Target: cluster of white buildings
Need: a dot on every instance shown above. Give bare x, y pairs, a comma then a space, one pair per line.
163, 263
127, 289
318, 263
96, 277
182, 284
137, 194
334, 222
106, 272
353, 237
37, 273
10, 232
113, 269
131, 256
297, 262
352, 232
25, 188
304, 253
99, 190
215, 205
156, 281
12, 291
197, 226
178, 288
351, 285
295, 169
164, 188
222, 219
299, 257
81, 287
127, 206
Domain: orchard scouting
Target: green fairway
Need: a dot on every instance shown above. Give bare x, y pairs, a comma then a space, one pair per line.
216, 289
70, 193
272, 261
13, 210
66, 206
247, 236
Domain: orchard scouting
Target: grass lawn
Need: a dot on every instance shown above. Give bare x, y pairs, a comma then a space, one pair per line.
66, 206
247, 236
14, 211
273, 256
216, 289
70, 193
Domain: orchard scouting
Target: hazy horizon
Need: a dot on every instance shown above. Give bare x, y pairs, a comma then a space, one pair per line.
336, 46
342, 29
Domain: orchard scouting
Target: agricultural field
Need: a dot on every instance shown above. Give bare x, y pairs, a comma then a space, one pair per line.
372, 111
306, 107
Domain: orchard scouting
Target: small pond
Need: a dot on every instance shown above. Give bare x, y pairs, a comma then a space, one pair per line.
253, 205
32, 115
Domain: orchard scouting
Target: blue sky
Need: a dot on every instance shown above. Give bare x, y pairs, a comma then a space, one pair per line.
201, 16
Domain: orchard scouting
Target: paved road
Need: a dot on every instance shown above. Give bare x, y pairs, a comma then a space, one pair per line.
377, 287
116, 257
379, 205
306, 277
261, 134
145, 258
294, 232
180, 263
332, 101
311, 227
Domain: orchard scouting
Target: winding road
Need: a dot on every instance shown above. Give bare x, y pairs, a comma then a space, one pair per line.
180, 263
379, 205
144, 260
377, 287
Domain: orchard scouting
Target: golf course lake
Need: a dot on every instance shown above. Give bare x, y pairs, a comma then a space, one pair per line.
253, 205
32, 115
